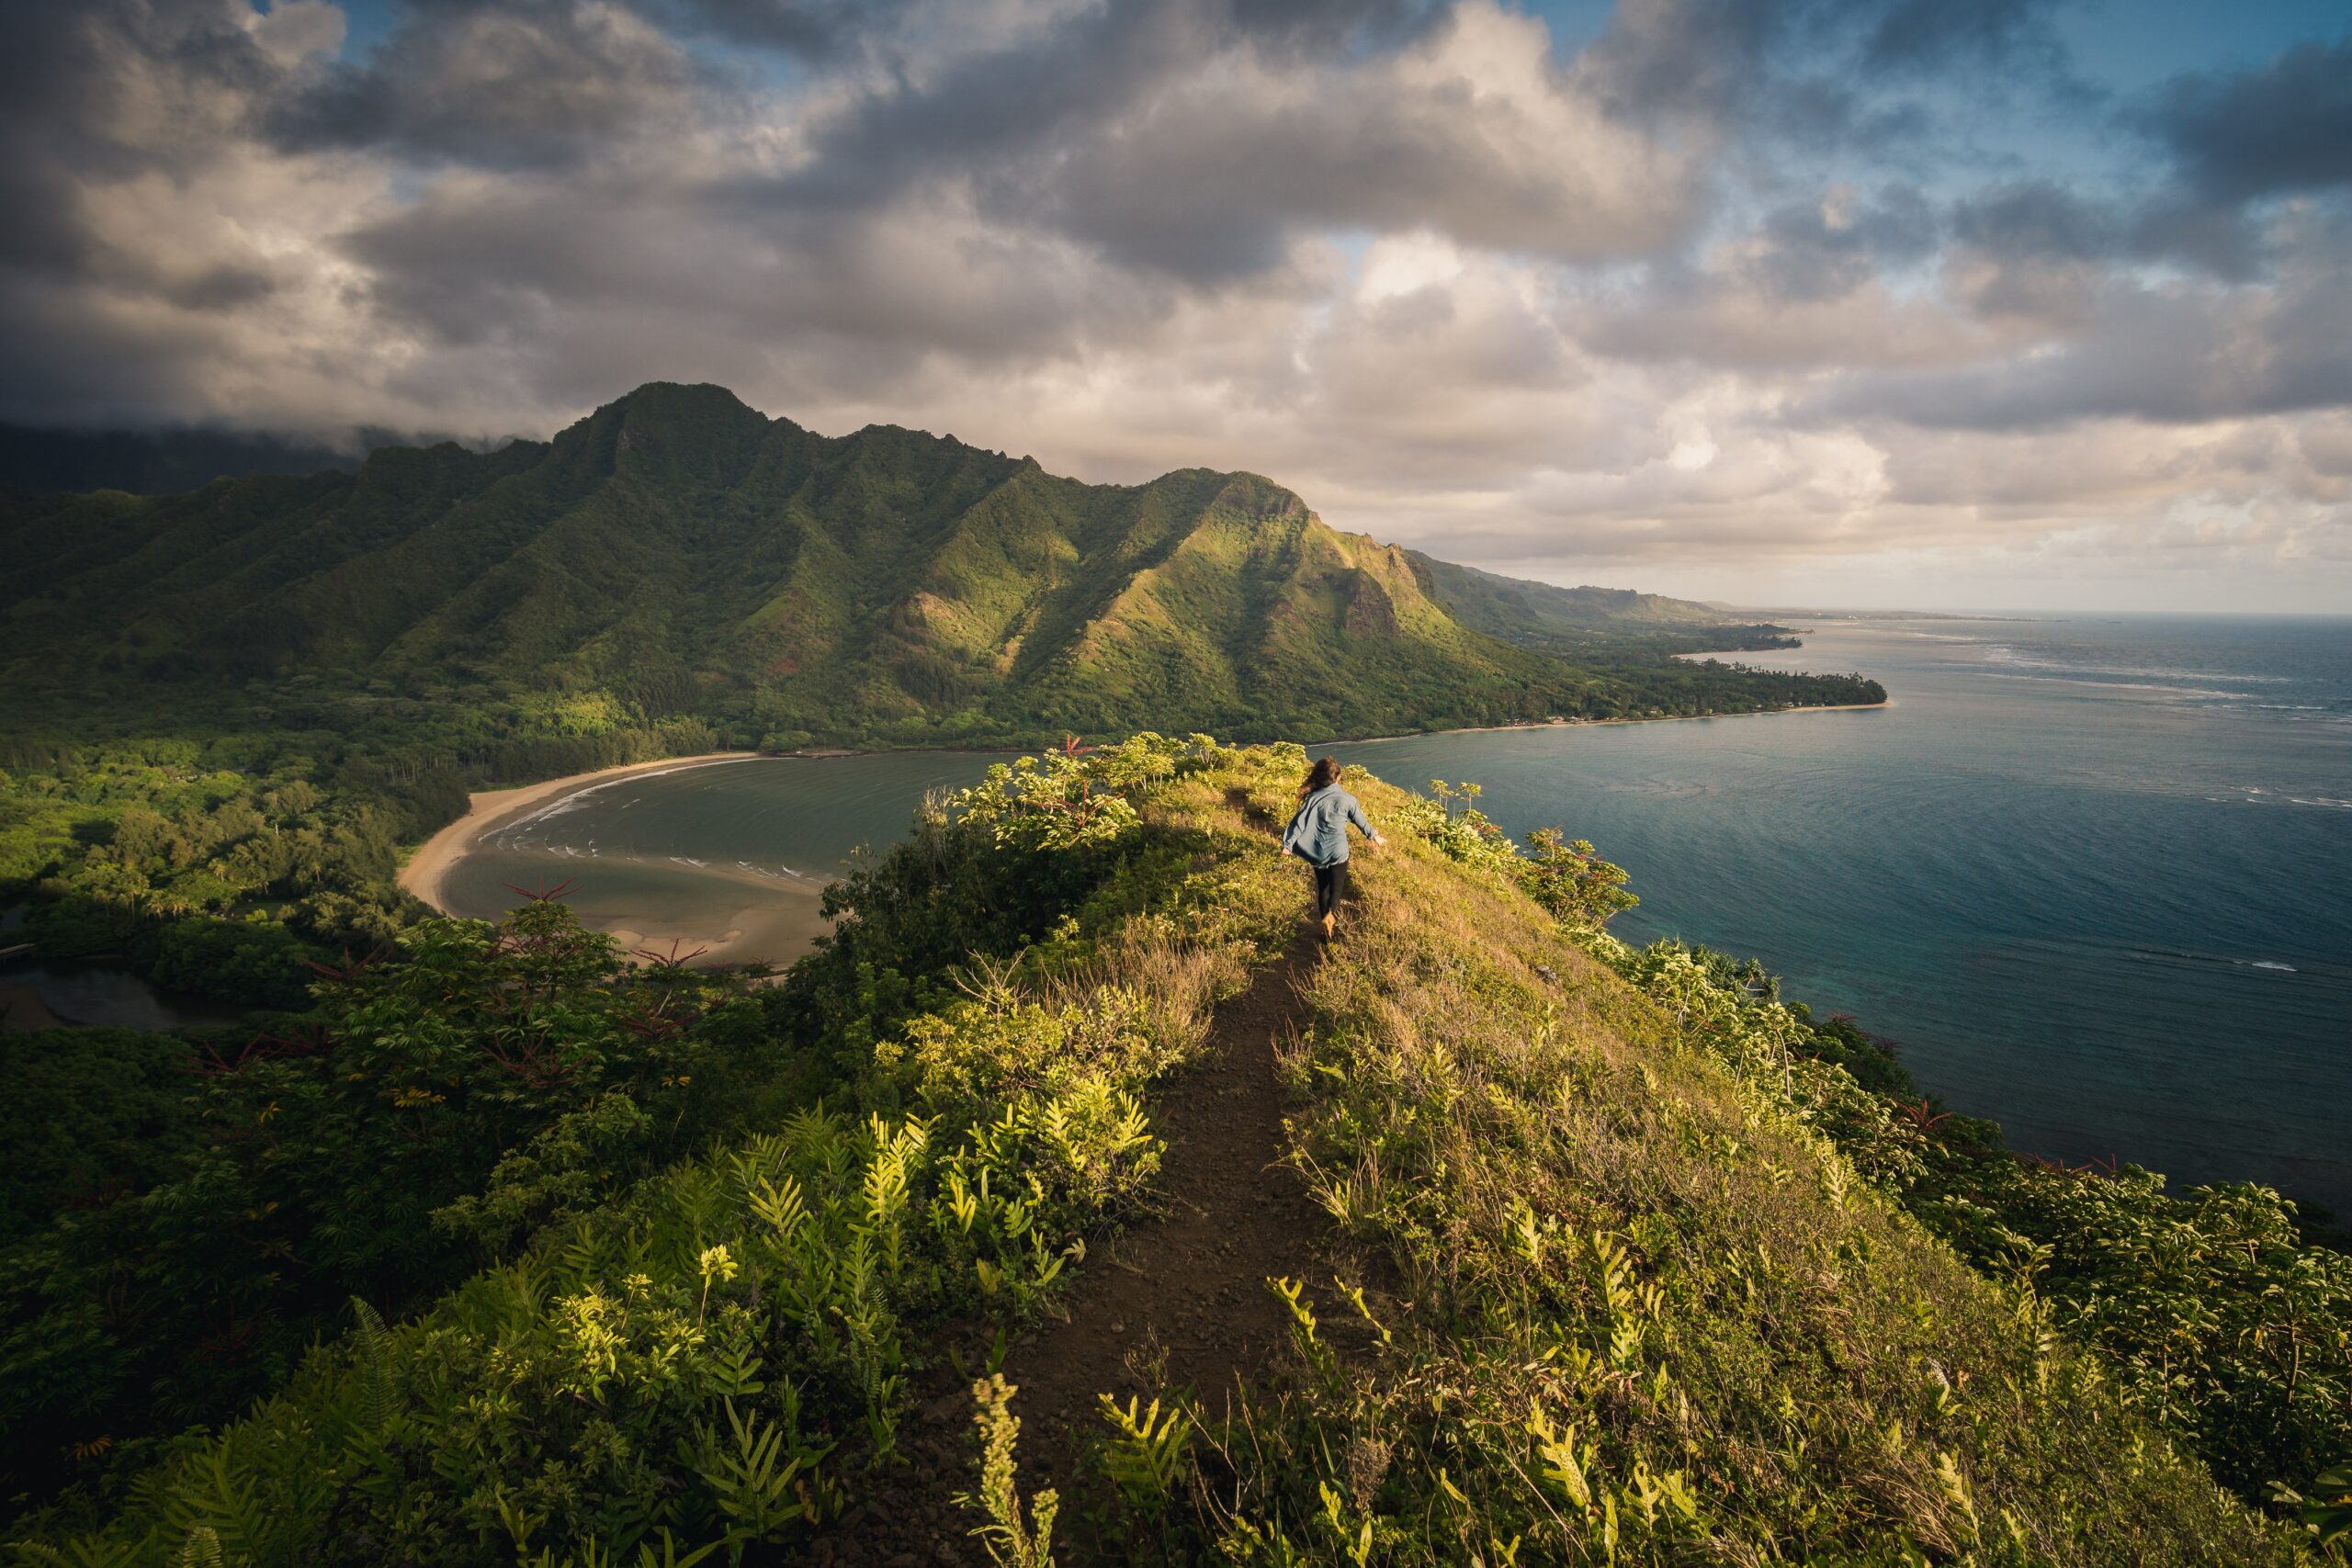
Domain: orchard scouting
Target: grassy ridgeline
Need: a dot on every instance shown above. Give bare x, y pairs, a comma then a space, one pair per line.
1650, 1300
1646, 1299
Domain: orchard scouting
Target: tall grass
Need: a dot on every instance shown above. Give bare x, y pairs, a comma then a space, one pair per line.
1644, 1309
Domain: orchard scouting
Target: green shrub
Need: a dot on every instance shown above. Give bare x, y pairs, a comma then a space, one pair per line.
1647, 1265
256, 962
495, 1076
722, 1351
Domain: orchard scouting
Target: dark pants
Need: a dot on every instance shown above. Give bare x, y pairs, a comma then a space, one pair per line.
1330, 886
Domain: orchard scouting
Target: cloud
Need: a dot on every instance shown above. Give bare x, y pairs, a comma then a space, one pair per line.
1183, 140
527, 83
2041, 220
817, 28
1739, 281
160, 262
2284, 127
1934, 35
2178, 353
2227, 142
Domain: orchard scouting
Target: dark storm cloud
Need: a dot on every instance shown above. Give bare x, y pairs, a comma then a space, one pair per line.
2043, 219
2227, 142
1225, 192
2182, 217
1038, 98
1814, 68
1198, 141
1933, 35
63, 73
83, 87
1672, 62
1040, 93
818, 30
826, 29
2030, 226
1816, 250
981, 111
497, 84
2283, 127
1819, 115
41, 234
606, 275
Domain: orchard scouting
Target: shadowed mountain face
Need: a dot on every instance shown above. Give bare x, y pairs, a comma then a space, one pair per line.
677, 552
151, 462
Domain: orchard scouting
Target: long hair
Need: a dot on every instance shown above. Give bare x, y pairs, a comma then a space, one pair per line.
1322, 776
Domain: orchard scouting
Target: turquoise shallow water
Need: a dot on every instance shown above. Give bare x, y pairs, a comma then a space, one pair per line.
2095, 876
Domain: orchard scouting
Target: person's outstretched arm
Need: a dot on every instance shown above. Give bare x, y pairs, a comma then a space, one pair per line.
1356, 816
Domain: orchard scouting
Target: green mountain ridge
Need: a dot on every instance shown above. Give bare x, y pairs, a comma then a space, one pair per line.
678, 552
1565, 619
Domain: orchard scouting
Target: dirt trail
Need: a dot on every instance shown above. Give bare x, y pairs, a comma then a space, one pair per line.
1180, 1302
1175, 1303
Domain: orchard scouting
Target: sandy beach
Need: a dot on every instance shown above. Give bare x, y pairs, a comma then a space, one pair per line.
784, 924
756, 933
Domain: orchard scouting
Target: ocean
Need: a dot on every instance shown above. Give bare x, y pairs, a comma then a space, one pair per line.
2092, 874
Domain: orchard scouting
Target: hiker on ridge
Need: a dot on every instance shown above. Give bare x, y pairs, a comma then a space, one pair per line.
1317, 834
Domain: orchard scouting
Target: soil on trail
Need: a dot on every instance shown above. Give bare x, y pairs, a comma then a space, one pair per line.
1180, 1302
1175, 1303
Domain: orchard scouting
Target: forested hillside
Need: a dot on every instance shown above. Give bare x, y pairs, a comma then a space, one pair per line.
1607, 1256
677, 553
1576, 622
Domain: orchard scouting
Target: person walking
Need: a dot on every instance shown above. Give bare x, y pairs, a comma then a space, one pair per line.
1317, 834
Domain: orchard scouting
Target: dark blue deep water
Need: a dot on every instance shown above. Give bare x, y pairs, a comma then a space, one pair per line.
2094, 875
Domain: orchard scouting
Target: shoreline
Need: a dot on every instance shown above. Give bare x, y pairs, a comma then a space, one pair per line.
488, 812
1596, 723
423, 872
775, 930
779, 926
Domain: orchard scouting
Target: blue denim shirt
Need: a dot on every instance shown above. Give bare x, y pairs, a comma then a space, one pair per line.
1318, 833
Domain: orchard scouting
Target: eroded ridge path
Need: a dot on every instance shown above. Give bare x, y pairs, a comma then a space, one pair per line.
1177, 1302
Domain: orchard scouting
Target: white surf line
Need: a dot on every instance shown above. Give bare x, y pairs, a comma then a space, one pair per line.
562, 802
